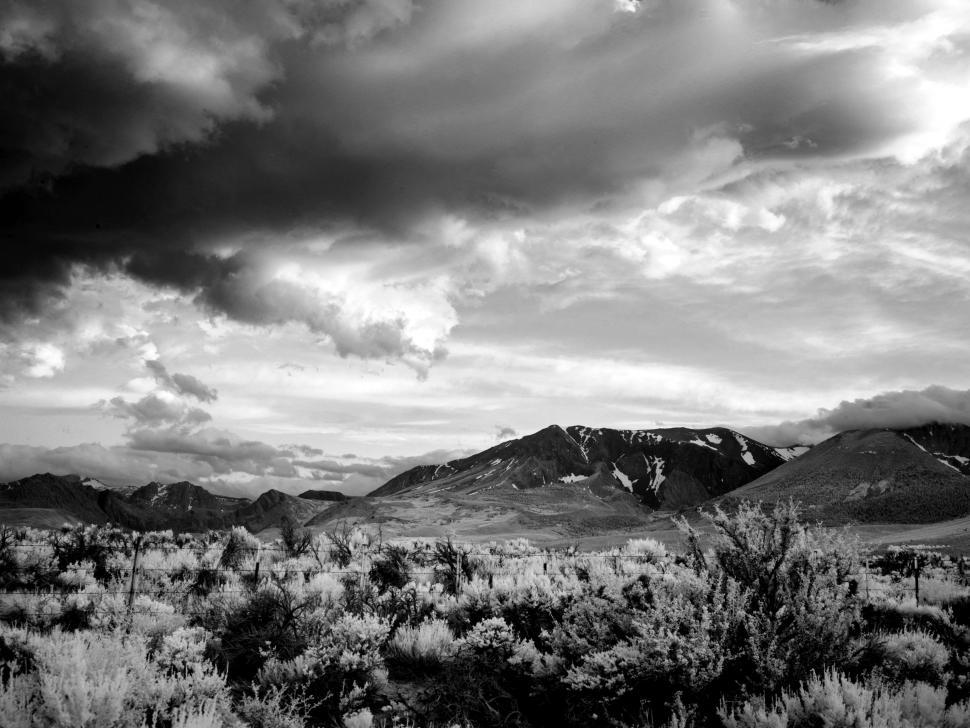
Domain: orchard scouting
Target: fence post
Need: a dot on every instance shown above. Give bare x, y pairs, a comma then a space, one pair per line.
916, 577
134, 572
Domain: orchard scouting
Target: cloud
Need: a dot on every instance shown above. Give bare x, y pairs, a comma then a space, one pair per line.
894, 410
31, 359
504, 432
94, 82
181, 383
156, 410
214, 151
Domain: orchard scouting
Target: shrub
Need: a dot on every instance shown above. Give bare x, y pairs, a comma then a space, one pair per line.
270, 623
240, 545
424, 649
88, 680
274, 708
296, 541
341, 669
835, 701
390, 569
798, 613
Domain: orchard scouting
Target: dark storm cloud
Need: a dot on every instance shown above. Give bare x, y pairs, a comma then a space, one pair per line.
184, 144
895, 410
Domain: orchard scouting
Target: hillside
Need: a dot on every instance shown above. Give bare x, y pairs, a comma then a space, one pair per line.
663, 468
873, 476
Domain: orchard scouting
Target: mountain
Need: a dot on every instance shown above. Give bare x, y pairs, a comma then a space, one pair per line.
323, 495
906, 476
950, 444
65, 494
664, 468
272, 507
55, 499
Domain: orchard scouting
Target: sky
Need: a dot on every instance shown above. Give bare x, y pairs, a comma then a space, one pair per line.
311, 243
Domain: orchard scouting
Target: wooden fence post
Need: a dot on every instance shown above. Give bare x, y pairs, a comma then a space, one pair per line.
916, 577
134, 577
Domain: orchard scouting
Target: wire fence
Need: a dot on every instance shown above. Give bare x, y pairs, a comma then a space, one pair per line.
490, 565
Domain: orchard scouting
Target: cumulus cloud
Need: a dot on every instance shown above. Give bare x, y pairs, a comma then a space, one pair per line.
895, 410
31, 359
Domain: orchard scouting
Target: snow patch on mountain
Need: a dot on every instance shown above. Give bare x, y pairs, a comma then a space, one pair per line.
745, 453
655, 466
573, 478
700, 443
623, 478
792, 452
940, 457
712, 438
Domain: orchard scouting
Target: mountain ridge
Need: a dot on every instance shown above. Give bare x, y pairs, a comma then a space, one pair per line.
664, 467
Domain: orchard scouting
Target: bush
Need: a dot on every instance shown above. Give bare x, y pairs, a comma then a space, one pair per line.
390, 569
89, 680
835, 701
342, 669
421, 650
798, 614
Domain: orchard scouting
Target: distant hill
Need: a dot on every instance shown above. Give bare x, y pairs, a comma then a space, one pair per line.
323, 495
56, 499
906, 476
272, 507
664, 468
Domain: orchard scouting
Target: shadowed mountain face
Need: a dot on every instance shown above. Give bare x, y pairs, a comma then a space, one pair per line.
178, 506
906, 476
665, 468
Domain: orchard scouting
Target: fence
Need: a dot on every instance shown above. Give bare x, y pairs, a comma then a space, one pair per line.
551, 564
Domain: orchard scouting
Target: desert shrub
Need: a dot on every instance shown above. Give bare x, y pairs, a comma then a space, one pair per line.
423, 649
342, 669
272, 622
648, 549
452, 564
835, 701
344, 542
296, 541
272, 708
914, 655
531, 604
89, 680
488, 681
390, 568
91, 544
626, 655
798, 613
240, 545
